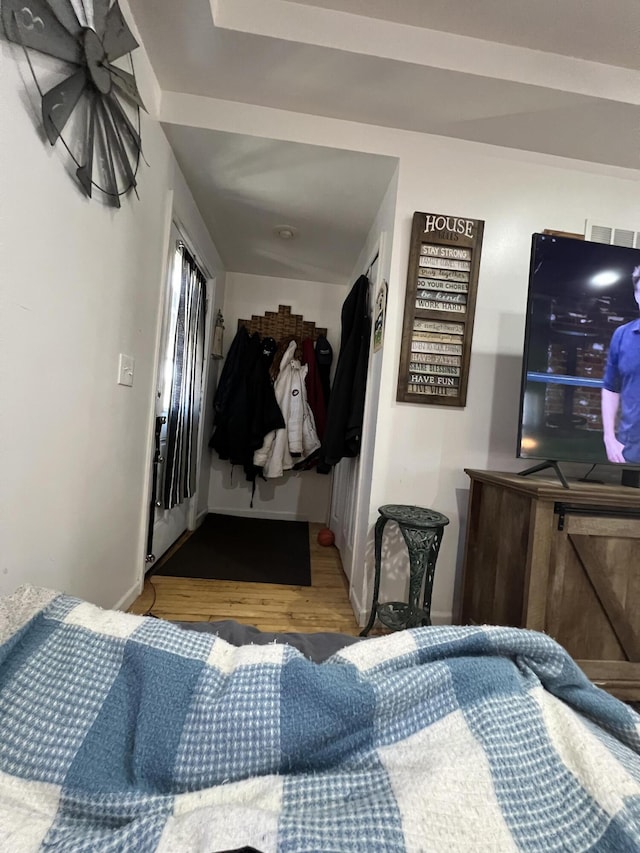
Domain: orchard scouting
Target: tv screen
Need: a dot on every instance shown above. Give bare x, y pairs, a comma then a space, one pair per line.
580, 398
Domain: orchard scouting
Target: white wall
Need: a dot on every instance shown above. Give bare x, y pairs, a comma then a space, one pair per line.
79, 283
421, 451
302, 495
515, 198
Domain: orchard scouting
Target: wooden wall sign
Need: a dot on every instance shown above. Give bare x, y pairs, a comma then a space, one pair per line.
439, 307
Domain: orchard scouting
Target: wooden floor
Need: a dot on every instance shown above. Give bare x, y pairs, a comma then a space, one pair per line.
324, 606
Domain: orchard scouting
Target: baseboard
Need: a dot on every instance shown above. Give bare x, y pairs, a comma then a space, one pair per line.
439, 617
129, 597
258, 513
200, 517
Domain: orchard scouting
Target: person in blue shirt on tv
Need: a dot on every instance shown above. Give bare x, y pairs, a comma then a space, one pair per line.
621, 390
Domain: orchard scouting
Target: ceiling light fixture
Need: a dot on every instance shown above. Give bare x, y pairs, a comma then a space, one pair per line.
285, 232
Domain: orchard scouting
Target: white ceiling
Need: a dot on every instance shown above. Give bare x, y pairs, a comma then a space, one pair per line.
247, 186
554, 76
605, 31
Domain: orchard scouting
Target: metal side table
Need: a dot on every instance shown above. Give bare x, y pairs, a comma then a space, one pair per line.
422, 531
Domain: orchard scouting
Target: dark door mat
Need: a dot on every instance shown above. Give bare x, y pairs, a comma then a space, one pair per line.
253, 550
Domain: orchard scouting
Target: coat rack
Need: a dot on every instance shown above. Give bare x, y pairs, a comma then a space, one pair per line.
282, 324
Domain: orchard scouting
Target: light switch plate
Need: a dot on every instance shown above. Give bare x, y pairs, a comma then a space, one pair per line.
126, 365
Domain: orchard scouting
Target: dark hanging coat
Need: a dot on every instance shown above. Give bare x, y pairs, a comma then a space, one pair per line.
324, 358
245, 404
313, 384
343, 431
229, 376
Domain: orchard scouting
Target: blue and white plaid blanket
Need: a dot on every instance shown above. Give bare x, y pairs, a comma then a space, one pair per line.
124, 733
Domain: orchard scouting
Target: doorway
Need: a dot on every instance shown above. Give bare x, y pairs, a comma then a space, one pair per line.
295, 225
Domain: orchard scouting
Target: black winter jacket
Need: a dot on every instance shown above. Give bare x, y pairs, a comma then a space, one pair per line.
343, 432
245, 404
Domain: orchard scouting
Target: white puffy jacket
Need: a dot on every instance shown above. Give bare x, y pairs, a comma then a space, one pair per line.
299, 436
301, 426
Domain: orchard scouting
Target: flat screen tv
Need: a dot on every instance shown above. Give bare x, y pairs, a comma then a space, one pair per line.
581, 369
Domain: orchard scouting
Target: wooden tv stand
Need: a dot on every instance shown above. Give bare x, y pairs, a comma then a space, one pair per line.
562, 561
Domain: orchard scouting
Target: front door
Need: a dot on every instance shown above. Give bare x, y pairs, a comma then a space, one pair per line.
170, 523
343, 509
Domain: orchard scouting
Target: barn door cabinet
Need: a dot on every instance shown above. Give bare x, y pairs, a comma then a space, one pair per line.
566, 562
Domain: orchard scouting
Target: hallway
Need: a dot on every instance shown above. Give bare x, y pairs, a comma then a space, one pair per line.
324, 606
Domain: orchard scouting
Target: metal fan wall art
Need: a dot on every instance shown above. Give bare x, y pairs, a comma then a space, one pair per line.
99, 95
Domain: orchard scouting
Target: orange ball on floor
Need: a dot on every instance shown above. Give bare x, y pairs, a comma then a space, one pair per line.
326, 537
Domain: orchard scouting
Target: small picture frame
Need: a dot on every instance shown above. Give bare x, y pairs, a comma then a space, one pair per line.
380, 316
218, 333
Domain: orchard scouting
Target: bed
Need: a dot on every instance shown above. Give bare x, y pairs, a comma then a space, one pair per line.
128, 733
